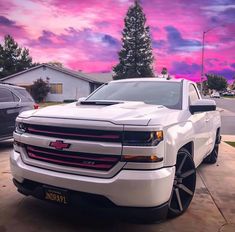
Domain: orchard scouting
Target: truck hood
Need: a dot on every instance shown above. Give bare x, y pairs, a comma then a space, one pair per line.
126, 113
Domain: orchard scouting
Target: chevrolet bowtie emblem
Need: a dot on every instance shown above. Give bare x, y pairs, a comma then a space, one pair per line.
59, 145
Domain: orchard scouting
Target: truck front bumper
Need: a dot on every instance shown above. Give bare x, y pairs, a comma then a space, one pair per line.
129, 188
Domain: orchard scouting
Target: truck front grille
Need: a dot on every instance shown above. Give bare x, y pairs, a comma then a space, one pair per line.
75, 133
72, 159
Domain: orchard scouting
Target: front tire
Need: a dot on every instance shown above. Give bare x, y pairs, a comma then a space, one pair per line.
184, 184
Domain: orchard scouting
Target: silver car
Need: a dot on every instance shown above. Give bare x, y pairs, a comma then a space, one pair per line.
13, 101
215, 95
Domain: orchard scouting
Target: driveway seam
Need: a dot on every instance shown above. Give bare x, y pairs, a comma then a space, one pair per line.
213, 198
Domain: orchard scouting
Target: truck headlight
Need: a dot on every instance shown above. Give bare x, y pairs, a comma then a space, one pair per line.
20, 128
142, 138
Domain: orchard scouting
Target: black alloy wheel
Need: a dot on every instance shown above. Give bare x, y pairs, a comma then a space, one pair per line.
184, 184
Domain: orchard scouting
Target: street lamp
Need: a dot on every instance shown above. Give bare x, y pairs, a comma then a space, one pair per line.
203, 51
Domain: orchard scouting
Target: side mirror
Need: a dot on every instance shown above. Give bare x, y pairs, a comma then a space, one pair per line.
202, 105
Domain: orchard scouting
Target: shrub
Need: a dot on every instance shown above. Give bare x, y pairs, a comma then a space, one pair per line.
39, 90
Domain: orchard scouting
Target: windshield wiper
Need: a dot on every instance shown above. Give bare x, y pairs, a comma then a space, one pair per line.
106, 103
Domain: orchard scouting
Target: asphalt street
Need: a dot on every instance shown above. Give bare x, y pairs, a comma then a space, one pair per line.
227, 115
226, 103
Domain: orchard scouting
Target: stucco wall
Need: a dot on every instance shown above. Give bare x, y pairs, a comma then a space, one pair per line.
73, 88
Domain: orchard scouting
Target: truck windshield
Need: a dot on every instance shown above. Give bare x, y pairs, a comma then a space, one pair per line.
168, 94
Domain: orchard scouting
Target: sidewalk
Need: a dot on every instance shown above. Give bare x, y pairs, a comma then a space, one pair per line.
219, 179
230, 138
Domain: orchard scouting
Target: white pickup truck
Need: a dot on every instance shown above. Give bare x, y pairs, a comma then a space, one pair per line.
132, 145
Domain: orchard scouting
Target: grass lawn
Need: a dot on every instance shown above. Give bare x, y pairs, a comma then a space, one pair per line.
230, 143
44, 104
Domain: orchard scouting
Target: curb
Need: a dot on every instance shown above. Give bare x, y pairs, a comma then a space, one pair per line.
220, 109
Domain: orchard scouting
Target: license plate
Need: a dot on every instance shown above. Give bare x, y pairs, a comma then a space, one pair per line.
56, 195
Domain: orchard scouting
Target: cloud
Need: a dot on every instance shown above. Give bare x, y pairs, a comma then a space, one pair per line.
232, 65
85, 44
5, 22
159, 43
184, 68
91, 66
102, 24
6, 6
211, 62
227, 16
226, 39
8, 26
219, 7
72, 36
178, 44
110, 40
221, 14
46, 38
227, 73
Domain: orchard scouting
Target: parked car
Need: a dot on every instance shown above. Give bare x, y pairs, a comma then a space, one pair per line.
13, 101
132, 145
228, 93
215, 95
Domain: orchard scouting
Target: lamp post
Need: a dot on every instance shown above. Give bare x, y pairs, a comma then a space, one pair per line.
203, 51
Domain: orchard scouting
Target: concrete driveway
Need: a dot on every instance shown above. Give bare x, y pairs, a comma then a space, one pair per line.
212, 209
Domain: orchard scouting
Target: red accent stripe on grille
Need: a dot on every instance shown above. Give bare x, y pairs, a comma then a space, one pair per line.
98, 166
108, 159
72, 159
73, 134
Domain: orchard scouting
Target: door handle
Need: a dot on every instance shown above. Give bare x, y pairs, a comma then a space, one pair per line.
207, 120
18, 106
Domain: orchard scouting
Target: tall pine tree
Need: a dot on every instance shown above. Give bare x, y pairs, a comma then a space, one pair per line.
136, 57
13, 58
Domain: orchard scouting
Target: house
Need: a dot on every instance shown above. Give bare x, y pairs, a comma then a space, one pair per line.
65, 84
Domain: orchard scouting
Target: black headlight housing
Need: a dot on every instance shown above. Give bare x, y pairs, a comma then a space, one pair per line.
129, 138
20, 128
142, 138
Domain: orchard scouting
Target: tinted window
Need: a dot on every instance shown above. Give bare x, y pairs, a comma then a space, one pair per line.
6, 95
193, 96
156, 93
24, 95
16, 99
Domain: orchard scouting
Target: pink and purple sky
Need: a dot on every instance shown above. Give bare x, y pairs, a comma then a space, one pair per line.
86, 34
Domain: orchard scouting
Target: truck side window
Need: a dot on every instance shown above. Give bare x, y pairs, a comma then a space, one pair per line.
193, 95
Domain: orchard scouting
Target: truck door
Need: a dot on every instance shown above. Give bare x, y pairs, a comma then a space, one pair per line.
201, 128
9, 110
